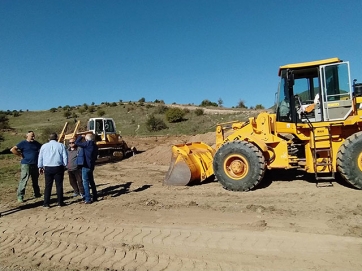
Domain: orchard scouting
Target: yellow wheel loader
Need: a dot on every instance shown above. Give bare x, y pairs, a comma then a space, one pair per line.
316, 127
110, 144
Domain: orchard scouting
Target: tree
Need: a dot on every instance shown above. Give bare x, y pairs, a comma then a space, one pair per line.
142, 100
53, 109
220, 102
241, 104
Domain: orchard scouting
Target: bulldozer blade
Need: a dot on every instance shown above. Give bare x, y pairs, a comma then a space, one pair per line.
190, 162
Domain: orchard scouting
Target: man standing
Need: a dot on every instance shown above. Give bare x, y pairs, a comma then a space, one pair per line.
52, 161
28, 150
90, 152
74, 173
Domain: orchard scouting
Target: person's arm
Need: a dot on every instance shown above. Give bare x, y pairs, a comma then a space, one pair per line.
40, 161
16, 151
79, 142
65, 156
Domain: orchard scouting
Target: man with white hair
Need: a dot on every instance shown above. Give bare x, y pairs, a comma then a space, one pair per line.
28, 150
88, 159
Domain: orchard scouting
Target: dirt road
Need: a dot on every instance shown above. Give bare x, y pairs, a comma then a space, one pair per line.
287, 224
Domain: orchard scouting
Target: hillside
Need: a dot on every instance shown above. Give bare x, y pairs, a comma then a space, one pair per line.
130, 119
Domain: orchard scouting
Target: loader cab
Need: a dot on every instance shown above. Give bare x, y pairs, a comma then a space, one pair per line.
101, 127
314, 92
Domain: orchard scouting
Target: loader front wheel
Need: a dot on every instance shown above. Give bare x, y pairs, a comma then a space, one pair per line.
239, 165
349, 160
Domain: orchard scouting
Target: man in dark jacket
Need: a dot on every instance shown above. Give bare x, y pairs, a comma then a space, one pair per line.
87, 158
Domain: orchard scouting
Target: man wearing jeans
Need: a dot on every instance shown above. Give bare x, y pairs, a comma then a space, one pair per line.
53, 159
88, 158
28, 150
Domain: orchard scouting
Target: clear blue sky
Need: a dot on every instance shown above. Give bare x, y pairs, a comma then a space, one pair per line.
70, 52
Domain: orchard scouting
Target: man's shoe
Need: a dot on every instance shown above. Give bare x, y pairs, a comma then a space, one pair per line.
38, 196
46, 206
85, 202
20, 200
62, 204
75, 195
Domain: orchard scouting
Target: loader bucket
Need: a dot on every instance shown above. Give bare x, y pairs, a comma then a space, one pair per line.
190, 162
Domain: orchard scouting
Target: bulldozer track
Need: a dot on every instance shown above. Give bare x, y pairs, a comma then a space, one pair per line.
46, 240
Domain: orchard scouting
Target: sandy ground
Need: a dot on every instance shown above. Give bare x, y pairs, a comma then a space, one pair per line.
286, 224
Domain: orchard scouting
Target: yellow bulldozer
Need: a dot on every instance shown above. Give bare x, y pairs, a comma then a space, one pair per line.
111, 145
316, 127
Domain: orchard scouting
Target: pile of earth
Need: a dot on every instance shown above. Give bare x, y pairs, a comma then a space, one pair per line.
157, 150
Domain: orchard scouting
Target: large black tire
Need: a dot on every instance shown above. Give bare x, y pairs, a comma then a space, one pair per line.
349, 160
239, 165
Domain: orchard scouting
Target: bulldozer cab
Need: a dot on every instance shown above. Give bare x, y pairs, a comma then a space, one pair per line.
314, 91
101, 127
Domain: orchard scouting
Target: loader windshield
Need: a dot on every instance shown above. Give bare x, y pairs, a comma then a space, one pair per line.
303, 93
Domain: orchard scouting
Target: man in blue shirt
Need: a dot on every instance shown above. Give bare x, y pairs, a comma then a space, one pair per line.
87, 159
28, 150
53, 159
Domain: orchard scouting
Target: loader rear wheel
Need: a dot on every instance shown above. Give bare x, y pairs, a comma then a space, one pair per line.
349, 160
239, 165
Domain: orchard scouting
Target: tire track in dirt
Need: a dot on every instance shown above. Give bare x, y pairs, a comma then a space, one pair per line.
131, 247
39, 250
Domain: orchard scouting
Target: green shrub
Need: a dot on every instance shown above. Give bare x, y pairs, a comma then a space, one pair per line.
43, 135
101, 113
81, 110
67, 114
4, 121
199, 112
175, 115
161, 109
91, 109
186, 110
259, 106
53, 109
155, 124
208, 103
142, 100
